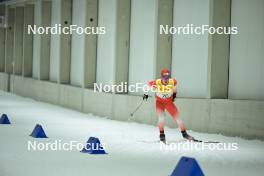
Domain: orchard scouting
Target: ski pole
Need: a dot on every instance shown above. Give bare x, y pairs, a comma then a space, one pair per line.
132, 113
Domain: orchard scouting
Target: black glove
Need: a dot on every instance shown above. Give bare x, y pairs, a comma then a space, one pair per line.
145, 97
174, 96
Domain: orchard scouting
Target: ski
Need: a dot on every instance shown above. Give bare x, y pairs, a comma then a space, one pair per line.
196, 140
178, 141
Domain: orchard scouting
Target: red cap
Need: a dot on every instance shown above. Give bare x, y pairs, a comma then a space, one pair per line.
165, 72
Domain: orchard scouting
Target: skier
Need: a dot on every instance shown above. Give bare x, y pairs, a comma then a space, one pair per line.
165, 95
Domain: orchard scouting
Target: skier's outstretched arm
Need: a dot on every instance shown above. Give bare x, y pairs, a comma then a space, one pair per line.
174, 90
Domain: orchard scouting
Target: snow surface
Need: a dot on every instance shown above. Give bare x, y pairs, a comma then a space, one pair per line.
127, 154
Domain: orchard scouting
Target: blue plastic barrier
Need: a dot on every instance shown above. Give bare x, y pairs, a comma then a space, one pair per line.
38, 132
187, 167
4, 119
93, 146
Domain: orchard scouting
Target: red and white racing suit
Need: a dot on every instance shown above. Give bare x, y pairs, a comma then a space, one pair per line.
164, 101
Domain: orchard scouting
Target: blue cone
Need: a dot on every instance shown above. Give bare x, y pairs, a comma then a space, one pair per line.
187, 167
4, 119
93, 146
38, 132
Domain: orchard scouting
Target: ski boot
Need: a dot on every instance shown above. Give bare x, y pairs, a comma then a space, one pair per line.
185, 135
162, 137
